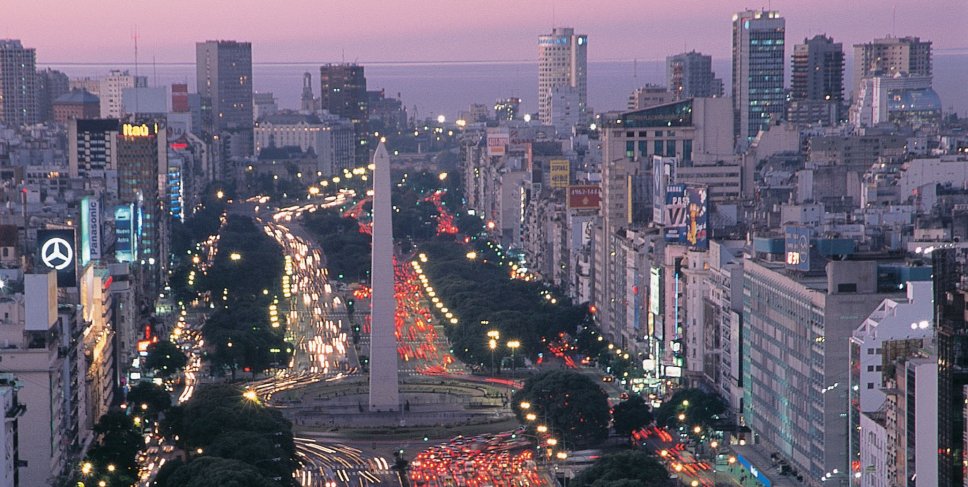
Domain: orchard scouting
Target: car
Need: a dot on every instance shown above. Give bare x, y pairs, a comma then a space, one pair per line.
608, 378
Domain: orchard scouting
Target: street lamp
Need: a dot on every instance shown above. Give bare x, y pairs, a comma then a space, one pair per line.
494, 336
513, 345
530, 416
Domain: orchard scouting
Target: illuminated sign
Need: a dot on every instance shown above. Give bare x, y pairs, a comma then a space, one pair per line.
755, 472
143, 130
655, 302
497, 141
57, 252
90, 229
560, 173
125, 245
686, 215
584, 197
797, 247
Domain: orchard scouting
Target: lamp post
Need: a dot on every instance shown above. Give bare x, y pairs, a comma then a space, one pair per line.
493, 336
513, 345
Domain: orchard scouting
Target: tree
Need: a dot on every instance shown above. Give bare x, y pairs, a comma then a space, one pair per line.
630, 415
697, 406
625, 469
117, 446
571, 404
209, 471
148, 398
165, 358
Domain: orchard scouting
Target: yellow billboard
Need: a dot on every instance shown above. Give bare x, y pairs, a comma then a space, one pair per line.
560, 172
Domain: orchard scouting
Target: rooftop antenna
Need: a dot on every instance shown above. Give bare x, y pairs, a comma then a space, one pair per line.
154, 69
894, 21
135, 37
553, 20
343, 54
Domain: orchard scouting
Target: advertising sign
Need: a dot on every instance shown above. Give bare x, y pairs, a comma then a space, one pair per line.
497, 141
560, 173
124, 243
655, 301
584, 197
663, 171
797, 247
686, 215
90, 229
58, 251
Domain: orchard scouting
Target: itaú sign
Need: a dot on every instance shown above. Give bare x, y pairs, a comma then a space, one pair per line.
143, 130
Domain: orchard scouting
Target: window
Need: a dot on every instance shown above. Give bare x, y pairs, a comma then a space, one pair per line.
658, 147
870, 385
870, 368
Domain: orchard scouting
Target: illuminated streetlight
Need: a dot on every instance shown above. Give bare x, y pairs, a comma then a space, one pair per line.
235, 256
682, 417
530, 416
552, 441
472, 255
525, 405
697, 429
542, 428
86, 468
513, 345
250, 395
111, 467
562, 455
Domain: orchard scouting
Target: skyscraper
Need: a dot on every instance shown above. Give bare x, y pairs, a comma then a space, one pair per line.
758, 97
817, 87
890, 56
111, 88
51, 84
343, 93
690, 74
18, 83
562, 70
224, 75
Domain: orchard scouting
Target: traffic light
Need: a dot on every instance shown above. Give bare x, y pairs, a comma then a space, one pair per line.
350, 305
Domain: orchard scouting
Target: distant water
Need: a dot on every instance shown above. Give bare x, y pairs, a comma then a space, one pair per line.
448, 88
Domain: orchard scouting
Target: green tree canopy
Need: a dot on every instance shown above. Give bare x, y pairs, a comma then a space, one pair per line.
165, 358
572, 405
223, 472
698, 406
625, 469
630, 415
149, 394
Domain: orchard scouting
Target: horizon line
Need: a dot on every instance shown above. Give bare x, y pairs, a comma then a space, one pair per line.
945, 51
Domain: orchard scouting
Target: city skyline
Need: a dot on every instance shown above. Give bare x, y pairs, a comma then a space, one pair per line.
358, 32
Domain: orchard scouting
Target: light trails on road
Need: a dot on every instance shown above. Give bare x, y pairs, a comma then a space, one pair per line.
327, 464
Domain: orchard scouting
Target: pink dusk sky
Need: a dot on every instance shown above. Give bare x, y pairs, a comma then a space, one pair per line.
89, 31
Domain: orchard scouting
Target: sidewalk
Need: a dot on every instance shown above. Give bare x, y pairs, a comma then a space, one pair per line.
754, 465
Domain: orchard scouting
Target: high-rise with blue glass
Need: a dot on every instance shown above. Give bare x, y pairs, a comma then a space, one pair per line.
758, 48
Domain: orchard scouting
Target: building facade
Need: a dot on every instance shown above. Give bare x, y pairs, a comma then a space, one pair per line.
890, 56
758, 54
690, 74
342, 92
18, 84
817, 84
562, 67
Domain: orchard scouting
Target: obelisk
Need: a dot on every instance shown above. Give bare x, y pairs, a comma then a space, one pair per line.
384, 380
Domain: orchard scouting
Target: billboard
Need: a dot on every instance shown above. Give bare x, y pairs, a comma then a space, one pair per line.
655, 302
686, 215
90, 229
560, 172
125, 243
57, 250
797, 247
663, 172
497, 141
584, 197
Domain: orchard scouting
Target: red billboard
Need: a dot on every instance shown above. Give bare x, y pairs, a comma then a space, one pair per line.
584, 197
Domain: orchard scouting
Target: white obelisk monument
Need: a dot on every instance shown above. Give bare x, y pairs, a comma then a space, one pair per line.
384, 380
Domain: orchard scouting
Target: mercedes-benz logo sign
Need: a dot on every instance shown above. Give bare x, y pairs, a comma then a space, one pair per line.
57, 253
